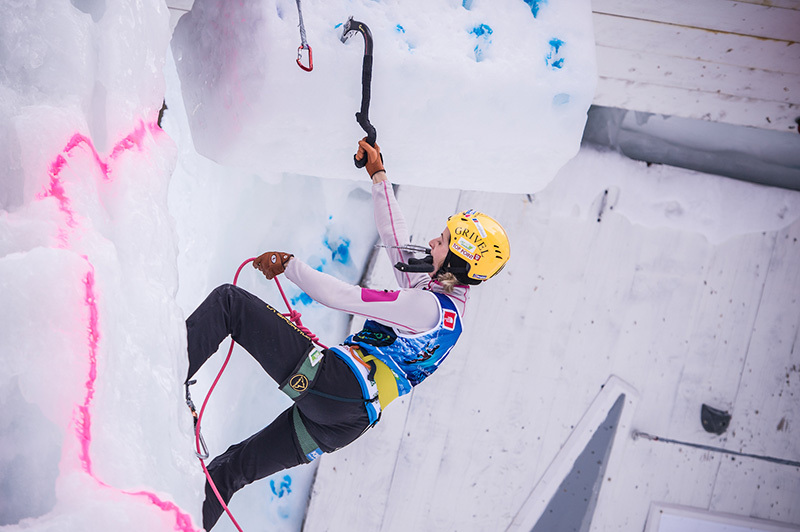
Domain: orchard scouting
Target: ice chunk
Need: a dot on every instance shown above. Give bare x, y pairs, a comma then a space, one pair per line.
443, 118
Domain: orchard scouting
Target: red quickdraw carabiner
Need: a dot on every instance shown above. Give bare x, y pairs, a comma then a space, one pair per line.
310, 66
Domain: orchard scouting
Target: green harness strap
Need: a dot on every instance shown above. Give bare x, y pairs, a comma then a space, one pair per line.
302, 378
296, 386
309, 447
299, 383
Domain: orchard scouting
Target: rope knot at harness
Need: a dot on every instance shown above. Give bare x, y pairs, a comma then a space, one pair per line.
294, 317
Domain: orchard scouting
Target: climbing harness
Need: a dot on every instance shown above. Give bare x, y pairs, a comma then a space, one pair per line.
200, 445
301, 380
303, 44
350, 28
307, 444
366, 378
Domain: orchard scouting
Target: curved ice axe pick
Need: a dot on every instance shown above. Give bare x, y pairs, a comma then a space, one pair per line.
350, 28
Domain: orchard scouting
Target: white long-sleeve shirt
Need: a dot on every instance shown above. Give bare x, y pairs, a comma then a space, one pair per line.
410, 310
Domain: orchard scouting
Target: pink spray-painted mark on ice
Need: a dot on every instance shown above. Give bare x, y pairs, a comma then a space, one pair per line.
83, 423
56, 190
82, 416
55, 187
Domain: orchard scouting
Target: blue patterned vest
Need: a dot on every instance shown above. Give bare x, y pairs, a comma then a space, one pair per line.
411, 357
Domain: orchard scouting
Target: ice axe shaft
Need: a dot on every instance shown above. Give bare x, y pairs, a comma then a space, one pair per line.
351, 27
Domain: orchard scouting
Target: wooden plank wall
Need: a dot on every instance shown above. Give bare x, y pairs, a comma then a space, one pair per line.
728, 61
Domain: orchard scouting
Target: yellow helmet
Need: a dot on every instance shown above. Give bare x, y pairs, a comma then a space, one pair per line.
481, 242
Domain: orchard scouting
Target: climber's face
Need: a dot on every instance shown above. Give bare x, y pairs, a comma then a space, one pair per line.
439, 247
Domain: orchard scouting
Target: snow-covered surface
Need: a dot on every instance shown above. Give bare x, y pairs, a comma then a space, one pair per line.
112, 231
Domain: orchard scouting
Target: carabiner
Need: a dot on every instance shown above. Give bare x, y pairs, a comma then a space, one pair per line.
199, 440
205, 454
310, 66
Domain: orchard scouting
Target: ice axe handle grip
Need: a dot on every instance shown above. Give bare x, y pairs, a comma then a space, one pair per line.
371, 137
360, 163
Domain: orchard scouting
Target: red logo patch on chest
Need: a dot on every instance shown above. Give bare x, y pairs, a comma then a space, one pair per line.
450, 320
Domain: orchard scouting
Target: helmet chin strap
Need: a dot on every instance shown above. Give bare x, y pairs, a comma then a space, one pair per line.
458, 267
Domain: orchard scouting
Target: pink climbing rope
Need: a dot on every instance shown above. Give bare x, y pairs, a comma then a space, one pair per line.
292, 316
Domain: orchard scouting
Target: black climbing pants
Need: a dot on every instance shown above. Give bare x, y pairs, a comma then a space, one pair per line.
278, 346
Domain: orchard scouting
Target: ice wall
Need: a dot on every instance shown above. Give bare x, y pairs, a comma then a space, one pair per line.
111, 232
90, 332
507, 82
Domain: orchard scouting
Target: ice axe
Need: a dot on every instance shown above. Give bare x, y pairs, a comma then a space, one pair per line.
350, 28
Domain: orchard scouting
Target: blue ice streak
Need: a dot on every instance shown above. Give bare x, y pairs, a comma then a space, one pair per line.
535, 5
284, 488
340, 249
482, 32
553, 59
301, 299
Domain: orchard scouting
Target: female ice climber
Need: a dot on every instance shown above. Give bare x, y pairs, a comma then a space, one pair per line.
339, 393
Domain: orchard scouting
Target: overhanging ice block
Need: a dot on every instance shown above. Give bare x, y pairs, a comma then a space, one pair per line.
454, 107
